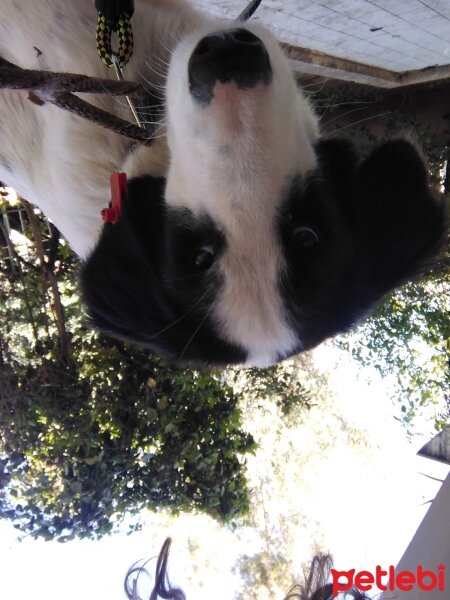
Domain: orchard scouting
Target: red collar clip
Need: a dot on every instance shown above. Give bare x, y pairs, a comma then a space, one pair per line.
119, 189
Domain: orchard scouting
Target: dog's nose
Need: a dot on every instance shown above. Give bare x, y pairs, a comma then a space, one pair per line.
235, 55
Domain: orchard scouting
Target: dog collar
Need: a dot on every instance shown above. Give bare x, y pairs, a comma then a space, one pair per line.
119, 190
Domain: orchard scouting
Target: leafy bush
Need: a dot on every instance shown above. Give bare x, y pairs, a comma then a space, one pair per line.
92, 430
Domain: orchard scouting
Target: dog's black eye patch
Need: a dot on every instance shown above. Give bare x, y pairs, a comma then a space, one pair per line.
193, 242
377, 225
304, 223
142, 284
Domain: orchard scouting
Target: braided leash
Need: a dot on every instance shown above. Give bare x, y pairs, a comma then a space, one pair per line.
57, 88
114, 16
13, 77
125, 35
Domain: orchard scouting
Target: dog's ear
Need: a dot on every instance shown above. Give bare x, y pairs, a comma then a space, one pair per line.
400, 225
120, 284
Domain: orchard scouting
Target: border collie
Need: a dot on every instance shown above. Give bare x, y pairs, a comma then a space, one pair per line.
245, 237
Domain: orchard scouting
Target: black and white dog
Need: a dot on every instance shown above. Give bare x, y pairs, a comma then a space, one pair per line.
245, 237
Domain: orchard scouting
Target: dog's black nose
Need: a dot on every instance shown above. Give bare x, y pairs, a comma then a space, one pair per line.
234, 55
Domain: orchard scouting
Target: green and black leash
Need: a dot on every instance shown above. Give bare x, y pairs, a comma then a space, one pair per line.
114, 16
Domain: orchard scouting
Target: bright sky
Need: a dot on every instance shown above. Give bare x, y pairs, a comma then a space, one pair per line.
368, 518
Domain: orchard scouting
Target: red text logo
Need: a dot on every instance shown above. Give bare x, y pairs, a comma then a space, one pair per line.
404, 581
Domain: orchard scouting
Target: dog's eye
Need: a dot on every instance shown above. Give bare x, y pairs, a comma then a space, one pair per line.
204, 258
305, 237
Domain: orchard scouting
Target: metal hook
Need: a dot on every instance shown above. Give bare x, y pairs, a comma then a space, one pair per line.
120, 77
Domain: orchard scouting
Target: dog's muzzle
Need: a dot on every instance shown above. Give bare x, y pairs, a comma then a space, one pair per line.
235, 55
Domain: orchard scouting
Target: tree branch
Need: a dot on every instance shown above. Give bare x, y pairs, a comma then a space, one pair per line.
49, 278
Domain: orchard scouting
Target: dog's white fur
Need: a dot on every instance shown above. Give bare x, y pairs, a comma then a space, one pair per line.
221, 160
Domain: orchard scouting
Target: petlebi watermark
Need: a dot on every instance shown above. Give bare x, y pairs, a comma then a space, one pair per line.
390, 579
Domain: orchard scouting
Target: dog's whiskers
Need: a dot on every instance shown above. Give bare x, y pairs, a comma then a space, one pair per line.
337, 104
181, 317
348, 112
202, 322
153, 124
187, 278
161, 61
362, 121
175, 36
124, 107
153, 69
153, 86
312, 85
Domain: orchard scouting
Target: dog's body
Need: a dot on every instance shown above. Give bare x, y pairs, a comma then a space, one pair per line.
247, 238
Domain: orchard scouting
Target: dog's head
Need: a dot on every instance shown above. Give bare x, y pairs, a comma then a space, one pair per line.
263, 240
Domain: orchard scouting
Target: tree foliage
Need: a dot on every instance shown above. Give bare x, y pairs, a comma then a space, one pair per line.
91, 429
280, 383
408, 339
